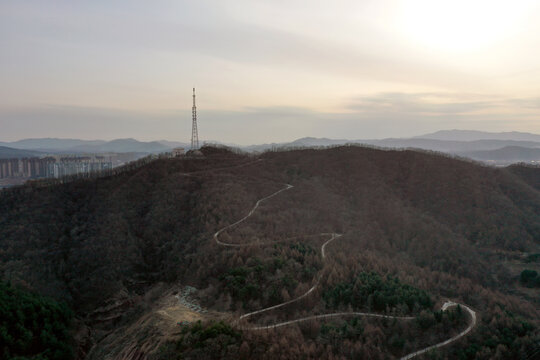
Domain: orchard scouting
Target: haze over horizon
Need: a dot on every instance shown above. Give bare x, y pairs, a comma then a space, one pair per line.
267, 71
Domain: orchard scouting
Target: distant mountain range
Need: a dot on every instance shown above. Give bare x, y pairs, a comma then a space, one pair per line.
472, 135
509, 154
479, 145
122, 146
10, 153
498, 148
449, 146
52, 145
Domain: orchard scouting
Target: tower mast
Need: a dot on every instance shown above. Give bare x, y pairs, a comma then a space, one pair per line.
194, 132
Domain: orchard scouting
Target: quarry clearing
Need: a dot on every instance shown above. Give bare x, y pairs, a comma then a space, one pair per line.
164, 316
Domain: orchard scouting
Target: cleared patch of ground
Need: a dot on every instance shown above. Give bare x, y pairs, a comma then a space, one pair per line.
162, 317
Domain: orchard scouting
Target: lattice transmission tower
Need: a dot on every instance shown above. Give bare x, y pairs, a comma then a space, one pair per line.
194, 132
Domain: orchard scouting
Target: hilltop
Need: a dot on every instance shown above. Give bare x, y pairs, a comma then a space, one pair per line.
419, 227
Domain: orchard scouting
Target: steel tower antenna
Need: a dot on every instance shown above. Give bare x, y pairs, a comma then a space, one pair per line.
194, 132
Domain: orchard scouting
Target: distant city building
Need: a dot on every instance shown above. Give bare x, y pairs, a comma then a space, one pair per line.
178, 151
80, 165
195, 153
32, 168
26, 167
9, 167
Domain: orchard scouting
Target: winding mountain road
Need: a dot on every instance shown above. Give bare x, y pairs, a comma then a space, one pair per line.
445, 306
333, 236
245, 316
216, 235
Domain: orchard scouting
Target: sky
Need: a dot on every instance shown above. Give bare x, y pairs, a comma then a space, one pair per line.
267, 71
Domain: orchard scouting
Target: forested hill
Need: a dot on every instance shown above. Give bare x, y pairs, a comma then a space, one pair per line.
10, 153
529, 174
449, 227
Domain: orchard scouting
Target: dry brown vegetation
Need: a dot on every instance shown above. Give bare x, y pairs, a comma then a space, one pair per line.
441, 225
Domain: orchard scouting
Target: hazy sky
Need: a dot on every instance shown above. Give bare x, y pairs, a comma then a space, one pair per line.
267, 70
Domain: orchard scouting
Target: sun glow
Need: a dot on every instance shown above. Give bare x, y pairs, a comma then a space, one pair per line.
461, 25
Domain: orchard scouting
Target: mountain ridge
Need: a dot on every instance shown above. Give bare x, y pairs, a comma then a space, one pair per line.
58, 145
457, 142
12, 153
507, 153
471, 135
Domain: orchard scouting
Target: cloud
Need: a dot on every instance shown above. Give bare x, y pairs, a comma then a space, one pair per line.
423, 103
209, 31
529, 103
280, 111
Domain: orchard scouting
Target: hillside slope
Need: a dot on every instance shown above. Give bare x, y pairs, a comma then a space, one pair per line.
11, 153
529, 174
438, 224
